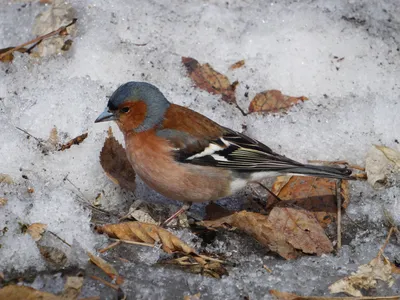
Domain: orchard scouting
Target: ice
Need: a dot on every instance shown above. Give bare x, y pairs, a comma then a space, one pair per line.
342, 55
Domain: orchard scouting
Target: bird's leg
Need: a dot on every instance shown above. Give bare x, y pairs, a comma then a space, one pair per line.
183, 209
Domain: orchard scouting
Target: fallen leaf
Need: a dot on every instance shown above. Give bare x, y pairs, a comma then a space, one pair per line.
17, 292
106, 268
53, 255
60, 13
72, 287
237, 65
75, 141
286, 231
53, 137
273, 101
146, 233
3, 201
206, 78
115, 163
10, 56
316, 195
289, 296
382, 165
36, 230
141, 211
192, 297
4, 178
366, 277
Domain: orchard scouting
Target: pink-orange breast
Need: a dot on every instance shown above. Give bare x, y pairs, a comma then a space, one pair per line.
152, 160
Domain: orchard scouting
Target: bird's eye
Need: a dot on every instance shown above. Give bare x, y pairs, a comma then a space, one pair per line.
124, 109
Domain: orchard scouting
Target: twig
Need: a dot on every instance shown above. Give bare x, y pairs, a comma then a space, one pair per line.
115, 244
386, 241
133, 243
105, 282
26, 132
275, 196
59, 238
39, 38
339, 214
266, 268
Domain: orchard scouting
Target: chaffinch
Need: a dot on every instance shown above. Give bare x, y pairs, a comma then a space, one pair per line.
185, 156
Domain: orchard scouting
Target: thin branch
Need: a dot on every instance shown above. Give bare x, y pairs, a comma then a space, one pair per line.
105, 282
113, 245
339, 214
39, 38
134, 243
386, 241
26, 132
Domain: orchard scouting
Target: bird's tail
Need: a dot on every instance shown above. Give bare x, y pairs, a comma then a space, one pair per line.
322, 171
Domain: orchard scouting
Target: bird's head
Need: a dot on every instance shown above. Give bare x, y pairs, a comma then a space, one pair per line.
135, 106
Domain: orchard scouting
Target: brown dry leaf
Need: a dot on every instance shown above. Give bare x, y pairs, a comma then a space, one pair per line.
273, 101
286, 231
192, 297
75, 141
316, 195
4, 178
382, 165
366, 277
53, 137
289, 296
107, 268
17, 292
60, 13
237, 65
36, 230
115, 163
206, 78
146, 233
54, 256
72, 287
3, 201
10, 56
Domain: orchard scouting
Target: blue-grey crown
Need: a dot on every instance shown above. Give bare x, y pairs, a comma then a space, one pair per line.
155, 101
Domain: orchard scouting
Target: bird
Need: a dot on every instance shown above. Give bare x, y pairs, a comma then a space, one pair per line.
186, 156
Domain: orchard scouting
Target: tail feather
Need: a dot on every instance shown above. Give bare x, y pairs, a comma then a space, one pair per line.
322, 171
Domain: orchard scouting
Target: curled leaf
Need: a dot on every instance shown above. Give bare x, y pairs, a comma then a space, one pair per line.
146, 233
36, 230
366, 277
75, 141
206, 78
273, 101
106, 268
237, 65
382, 166
17, 292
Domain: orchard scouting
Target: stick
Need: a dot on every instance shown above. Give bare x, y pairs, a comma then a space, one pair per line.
39, 38
339, 214
115, 244
113, 286
134, 243
386, 241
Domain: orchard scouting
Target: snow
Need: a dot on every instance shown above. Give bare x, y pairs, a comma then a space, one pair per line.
293, 46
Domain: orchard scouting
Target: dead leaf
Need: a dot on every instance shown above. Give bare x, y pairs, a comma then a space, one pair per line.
36, 230
75, 141
72, 287
273, 101
366, 277
206, 78
4, 178
106, 268
10, 56
53, 137
146, 233
289, 296
237, 65
60, 13
17, 292
3, 201
115, 163
192, 297
382, 165
316, 195
286, 231
141, 211
52, 255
